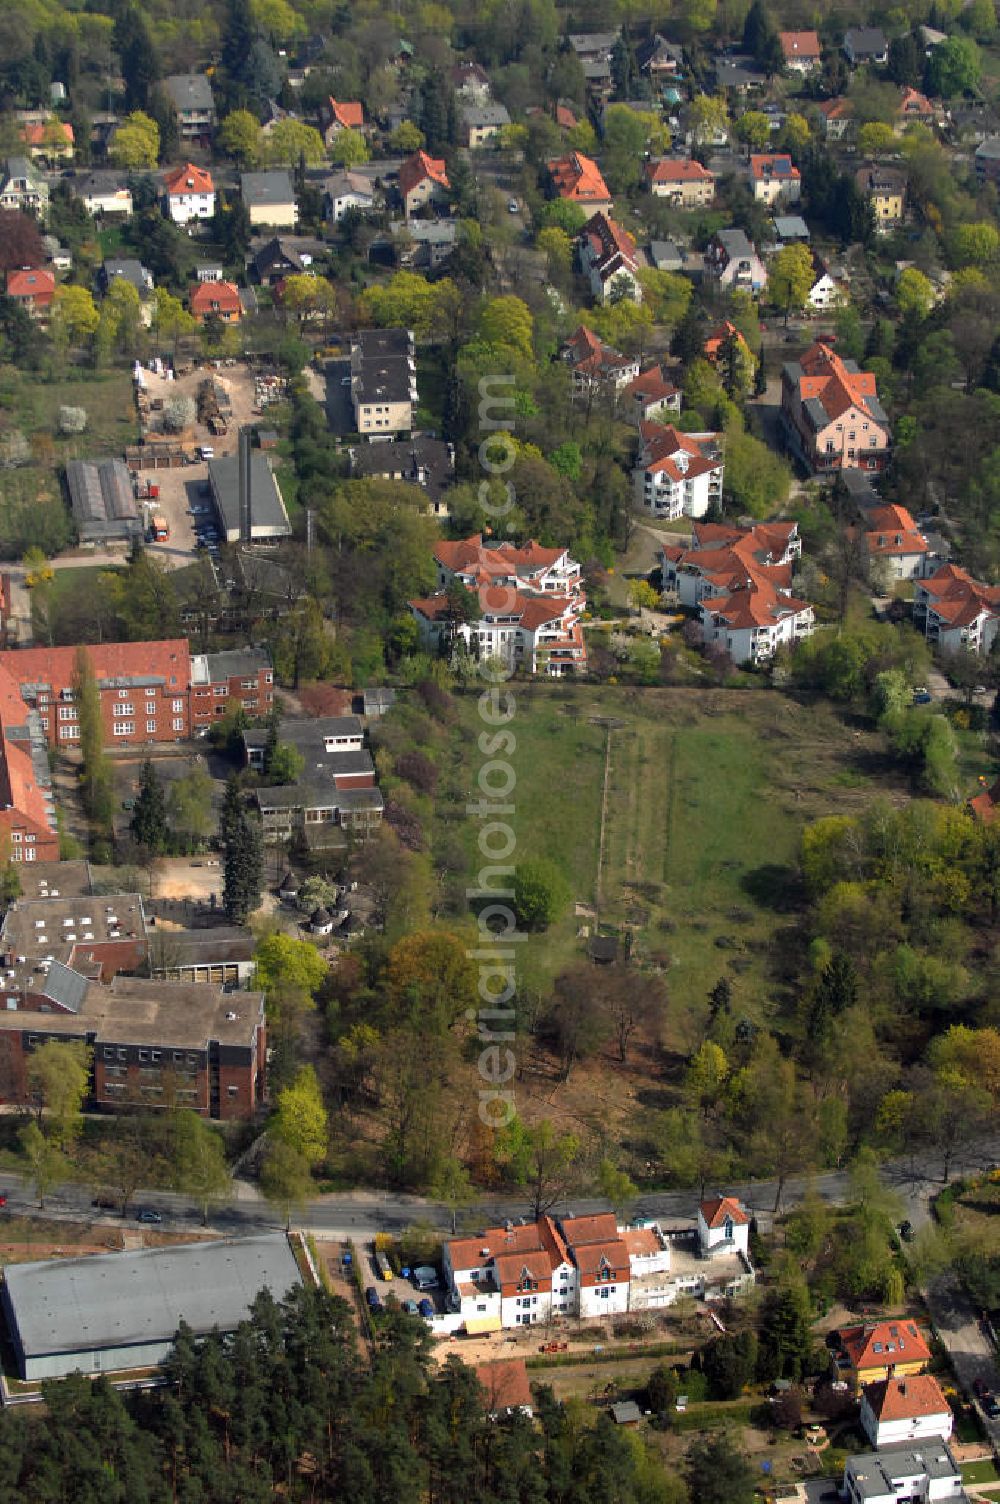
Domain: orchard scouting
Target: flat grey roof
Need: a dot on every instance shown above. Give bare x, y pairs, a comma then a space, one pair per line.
877, 1473
273, 187
189, 91
267, 510
123, 1299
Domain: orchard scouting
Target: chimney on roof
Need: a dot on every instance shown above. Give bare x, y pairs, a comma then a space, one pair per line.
245, 486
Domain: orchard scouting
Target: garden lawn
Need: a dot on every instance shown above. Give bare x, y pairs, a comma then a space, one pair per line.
980, 1472
33, 406
708, 791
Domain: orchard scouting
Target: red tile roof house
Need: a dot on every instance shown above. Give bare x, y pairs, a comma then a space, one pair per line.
650, 395
149, 691
906, 1409
956, 611
190, 193
775, 178
215, 300
530, 600
751, 622
682, 181
422, 180
984, 807
719, 338
914, 106
51, 140
32, 288
608, 256
595, 365
27, 807
589, 1267
505, 1386
893, 538
720, 558
677, 474
341, 115
800, 50
837, 115
831, 414
578, 178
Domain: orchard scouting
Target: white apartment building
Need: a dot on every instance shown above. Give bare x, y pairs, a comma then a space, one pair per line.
588, 1267
677, 474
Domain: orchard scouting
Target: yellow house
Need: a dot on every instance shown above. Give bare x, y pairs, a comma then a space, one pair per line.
871, 1354
885, 190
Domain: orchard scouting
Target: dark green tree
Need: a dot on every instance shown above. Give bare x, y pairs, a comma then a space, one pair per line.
717, 1473
785, 1341
149, 816
140, 64
729, 1364
233, 809
624, 68
243, 870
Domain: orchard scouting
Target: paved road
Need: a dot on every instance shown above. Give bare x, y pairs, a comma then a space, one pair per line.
361, 1214
971, 1352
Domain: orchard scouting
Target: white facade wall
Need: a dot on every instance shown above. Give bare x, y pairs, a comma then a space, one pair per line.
605, 1299
187, 206
656, 493
917, 1428
735, 1235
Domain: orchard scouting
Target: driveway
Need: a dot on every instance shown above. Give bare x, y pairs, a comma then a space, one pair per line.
970, 1350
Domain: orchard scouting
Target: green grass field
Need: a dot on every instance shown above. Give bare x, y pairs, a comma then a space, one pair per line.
980, 1472
707, 796
33, 406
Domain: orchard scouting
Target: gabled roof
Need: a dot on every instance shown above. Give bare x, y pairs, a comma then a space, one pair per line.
911, 1398
42, 134
912, 102
885, 1342
958, 599
578, 178
419, 167
188, 179
836, 109
678, 170
214, 297
612, 247
505, 1384
652, 385
768, 166
891, 531
471, 556
349, 113
800, 44
589, 355
31, 282
680, 456
755, 605
716, 1209
828, 386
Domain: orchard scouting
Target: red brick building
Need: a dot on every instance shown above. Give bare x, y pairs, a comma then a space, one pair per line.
153, 1043
150, 691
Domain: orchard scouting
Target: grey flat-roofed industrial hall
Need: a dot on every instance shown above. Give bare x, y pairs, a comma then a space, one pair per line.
116, 1311
268, 518
103, 501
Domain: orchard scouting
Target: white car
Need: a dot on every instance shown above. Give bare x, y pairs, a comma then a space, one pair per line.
513, 207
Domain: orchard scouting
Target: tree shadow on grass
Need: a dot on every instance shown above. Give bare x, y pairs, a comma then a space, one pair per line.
774, 886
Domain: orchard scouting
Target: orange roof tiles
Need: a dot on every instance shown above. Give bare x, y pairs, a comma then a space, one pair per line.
419, 167
717, 1208
349, 113
826, 378
611, 246
642, 1242
472, 555
207, 298
912, 102
188, 179
168, 659
31, 282
721, 335
505, 1384
578, 178
757, 604
44, 134
800, 44
891, 530
653, 385
907, 1399
836, 109
678, 170
886, 1342
565, 117
676, 454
